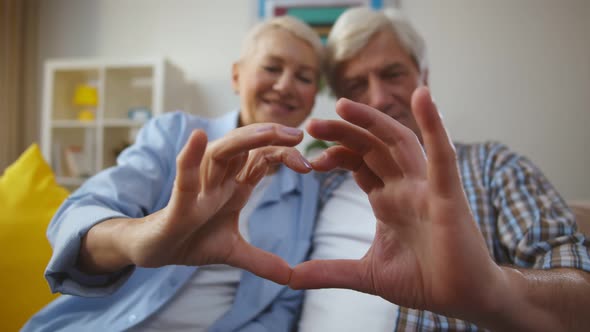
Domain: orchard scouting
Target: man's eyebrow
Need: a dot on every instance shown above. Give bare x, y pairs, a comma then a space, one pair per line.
354, 77
394, 66
388, 67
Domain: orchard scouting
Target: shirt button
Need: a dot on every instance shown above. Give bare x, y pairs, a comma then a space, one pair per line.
132, 318
173, 282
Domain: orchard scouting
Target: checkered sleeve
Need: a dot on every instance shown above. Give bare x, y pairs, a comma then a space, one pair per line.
535, 225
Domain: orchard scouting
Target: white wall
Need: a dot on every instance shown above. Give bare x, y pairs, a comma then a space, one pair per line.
517, 72
513, 71
201, 37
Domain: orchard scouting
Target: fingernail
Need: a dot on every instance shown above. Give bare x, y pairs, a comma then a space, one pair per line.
264, 128
291, 131
305, 162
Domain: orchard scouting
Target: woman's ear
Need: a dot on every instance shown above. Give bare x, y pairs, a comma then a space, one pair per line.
235, 77
425, 77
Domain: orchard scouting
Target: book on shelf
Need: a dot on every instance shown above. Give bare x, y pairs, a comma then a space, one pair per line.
75, 162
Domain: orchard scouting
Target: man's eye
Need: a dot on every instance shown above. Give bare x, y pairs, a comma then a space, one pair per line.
394, 74
355, 87
305, 79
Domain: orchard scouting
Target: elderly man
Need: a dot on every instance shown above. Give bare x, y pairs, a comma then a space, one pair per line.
467, 237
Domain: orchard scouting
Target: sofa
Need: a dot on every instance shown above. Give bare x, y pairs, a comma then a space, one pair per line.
582, 211
29, 196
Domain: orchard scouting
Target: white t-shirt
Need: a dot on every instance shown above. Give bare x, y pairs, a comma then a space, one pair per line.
210, 292
345, 229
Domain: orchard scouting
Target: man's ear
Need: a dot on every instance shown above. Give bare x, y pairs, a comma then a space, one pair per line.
235, 77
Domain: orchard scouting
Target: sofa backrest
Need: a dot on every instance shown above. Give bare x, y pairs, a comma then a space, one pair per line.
582, 212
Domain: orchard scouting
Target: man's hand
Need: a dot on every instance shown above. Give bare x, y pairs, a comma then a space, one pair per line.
428, 252
200, 223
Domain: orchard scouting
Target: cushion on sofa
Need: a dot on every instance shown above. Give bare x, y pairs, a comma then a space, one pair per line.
582, 211
29, 196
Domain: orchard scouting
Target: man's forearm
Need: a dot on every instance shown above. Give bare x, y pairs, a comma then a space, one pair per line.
542, 300
102, 250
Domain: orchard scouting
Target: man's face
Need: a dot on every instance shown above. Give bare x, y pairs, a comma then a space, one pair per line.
384, 76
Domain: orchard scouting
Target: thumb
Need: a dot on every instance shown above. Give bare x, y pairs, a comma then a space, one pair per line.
341, 273
261, 263
188, 163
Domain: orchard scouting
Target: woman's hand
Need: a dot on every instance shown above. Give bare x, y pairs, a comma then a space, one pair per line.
200, 223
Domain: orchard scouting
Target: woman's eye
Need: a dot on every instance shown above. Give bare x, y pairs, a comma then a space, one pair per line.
272, 69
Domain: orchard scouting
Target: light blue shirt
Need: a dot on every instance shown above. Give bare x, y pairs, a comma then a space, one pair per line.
141, 184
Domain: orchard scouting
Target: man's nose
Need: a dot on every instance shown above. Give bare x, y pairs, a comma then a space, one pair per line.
379, 96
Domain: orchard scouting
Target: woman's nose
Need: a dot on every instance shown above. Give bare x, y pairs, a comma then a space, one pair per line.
284, 83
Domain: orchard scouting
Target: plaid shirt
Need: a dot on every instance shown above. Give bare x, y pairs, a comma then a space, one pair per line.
523, 220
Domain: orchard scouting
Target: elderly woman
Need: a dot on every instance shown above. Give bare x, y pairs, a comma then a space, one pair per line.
161, 241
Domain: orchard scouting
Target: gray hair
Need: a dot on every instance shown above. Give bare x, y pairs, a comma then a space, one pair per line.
291, 24
355, 27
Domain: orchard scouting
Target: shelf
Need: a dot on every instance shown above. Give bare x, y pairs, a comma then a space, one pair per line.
129, 92
64, 84
128, 88
73, 124
122, 123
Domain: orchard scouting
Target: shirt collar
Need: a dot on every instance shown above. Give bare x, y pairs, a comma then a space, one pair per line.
285, 182
220, 126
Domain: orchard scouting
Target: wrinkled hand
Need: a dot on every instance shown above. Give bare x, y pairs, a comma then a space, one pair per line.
200, 224
427, 252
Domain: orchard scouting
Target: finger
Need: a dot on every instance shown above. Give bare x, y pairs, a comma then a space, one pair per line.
254, 136
342, 157
367, 180
240, 141
261, 263
373, 151
402, 141
337, 156
262, 159
343, 273
442, 165
235, 165
187, 164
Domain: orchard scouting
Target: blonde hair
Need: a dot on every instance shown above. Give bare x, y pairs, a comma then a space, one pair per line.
290, 24
355, 27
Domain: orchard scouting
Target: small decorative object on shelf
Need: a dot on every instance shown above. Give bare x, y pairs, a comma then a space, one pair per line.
139, 114
86, 96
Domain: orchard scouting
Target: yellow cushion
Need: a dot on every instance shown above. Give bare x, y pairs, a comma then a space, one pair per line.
29, 196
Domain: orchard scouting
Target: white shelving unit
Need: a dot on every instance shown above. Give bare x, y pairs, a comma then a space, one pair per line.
149, 83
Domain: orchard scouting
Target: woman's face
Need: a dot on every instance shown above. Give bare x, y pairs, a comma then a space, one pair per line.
277, 80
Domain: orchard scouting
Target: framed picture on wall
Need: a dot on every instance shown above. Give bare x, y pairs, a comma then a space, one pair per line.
319, 14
